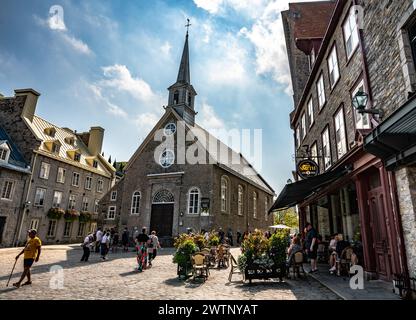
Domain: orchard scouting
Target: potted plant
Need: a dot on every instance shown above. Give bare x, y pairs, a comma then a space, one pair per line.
71, 215
85, 216
213, 241
55, 213
186, 247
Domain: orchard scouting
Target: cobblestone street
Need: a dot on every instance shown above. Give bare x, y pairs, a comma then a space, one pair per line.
116, 279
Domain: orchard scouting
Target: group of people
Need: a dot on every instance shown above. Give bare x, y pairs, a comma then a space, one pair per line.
308, 244
146, 248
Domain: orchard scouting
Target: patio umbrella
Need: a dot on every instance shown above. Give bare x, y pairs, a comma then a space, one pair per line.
279, 226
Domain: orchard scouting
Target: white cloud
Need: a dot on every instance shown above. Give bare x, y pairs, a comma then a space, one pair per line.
77, 44
119, 77
146, 121
212, 6
207, 32
208, 119
111, 107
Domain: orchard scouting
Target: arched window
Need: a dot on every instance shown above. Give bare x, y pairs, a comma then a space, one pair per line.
135, 203
254, 204
224, 194
176, 97
163, 196
266, 208
240, 204
193, 201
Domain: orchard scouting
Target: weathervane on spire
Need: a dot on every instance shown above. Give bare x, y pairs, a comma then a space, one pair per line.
187, 26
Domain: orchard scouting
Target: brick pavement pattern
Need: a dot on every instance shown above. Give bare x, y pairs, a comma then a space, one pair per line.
116, 279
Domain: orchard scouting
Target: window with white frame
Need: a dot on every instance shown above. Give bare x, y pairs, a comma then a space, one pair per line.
34, 224
362, 120
57, 199
224, 194
310, 112
72, 202
40, 197
333, 66
340, 136
111, 215
51, 228
75, 179
100, 185
326, 149
297, 137
303, 123
240, 200
85, 203
193, 201
113, 196
88, 182
7, 191
67, 228
135, 202
96, 206
44, 170
4, 152
81, 229
320, 86
60, 177
350, 29
254, 204
314, 152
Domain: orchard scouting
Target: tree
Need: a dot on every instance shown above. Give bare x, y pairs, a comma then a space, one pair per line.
288, 217
109, 159
115, 164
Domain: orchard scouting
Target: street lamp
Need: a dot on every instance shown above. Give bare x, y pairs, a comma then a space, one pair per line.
360, 101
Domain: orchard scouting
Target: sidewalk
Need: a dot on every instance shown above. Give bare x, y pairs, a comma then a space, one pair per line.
373, 290
70, 246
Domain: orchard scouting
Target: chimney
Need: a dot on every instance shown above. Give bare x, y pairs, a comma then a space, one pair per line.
30, 104
95, 142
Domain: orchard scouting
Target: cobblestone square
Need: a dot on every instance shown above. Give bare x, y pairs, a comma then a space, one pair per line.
116, 279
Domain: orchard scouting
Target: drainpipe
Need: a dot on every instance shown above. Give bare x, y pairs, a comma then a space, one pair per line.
22, 218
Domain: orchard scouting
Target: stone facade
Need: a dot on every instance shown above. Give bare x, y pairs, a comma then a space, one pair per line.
35, 137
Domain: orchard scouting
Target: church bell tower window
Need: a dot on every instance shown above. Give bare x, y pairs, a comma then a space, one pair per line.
176, 97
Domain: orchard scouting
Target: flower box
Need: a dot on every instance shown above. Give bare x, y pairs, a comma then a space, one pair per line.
71, 215
55, 213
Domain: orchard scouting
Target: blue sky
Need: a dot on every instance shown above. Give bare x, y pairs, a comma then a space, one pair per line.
109, 63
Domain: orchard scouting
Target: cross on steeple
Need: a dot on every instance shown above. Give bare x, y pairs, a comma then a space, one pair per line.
187, 26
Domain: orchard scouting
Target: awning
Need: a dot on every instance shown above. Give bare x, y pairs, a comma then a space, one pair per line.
394, 140
297, 192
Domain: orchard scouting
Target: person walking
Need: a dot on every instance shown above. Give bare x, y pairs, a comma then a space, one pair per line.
98, 237
142, 242
105, 241
125, 240
86, 247
230, 236
153, 246
31, 254
312, 246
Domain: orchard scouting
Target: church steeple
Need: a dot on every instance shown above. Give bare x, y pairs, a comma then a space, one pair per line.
182, 93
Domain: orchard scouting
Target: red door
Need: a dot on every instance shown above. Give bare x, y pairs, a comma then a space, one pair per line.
382, 250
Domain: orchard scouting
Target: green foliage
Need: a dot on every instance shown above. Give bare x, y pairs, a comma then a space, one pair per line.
184, 252
288, 217
85, 216
71, 215
278, 245
255, 245
200, 241
55, 213
213, 241
242, 262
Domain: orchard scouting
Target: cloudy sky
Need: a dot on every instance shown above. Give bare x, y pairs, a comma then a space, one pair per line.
109, 63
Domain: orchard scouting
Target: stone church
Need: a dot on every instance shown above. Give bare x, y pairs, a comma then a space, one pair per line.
165, 192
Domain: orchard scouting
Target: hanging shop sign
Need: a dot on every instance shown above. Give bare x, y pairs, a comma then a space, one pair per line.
307, 168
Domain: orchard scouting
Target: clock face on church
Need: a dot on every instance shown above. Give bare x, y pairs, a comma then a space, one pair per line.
170, 129
167, 158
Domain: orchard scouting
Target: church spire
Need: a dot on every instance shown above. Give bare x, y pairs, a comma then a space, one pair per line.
184, 73
182, 93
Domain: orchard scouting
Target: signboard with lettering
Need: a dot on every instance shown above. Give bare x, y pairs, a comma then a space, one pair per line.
205, 206
307, 168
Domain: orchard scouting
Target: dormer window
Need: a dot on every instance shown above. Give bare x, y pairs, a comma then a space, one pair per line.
70, 140
95, 164
53, 146
91, 161
74, 155
4, 152
50, 132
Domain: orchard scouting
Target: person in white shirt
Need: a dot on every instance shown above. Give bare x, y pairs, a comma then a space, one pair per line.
99, 235
152, 246
86, 247
105, 242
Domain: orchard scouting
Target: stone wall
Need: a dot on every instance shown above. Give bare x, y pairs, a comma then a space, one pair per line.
406, 189
11, 209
